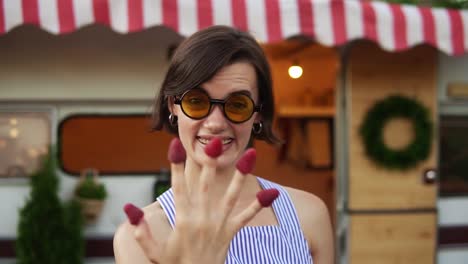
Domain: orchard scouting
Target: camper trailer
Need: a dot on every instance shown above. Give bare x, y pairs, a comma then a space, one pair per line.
82, 76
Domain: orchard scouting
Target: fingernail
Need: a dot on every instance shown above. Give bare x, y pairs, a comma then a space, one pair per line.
266, 197
134, 213
176, 153
214, 147
246, 163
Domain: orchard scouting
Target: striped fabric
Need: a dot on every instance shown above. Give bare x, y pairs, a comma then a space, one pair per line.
330, 22
284, 243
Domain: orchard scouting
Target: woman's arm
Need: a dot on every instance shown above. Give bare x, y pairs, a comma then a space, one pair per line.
126, 248
316, 224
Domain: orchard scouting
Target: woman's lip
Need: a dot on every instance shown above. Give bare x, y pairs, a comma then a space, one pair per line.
208, 139
211, 137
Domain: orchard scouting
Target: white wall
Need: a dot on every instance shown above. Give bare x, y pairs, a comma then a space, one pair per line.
452, 211
91, 63
91, 71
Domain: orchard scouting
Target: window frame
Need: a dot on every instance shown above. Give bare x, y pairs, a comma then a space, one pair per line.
47, 109
455, 108
110, 114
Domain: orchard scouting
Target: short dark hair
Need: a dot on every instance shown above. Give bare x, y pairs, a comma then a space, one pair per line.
199, 57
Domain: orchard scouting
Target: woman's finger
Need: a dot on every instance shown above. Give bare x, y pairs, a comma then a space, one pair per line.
264, 199
213, 150
244, 165
142, 232
177, 156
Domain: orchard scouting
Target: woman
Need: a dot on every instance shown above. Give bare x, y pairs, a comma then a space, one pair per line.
216, 98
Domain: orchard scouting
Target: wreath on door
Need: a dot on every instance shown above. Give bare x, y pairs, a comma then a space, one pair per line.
371, 132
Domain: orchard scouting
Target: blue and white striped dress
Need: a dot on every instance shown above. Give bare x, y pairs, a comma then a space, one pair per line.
283, 243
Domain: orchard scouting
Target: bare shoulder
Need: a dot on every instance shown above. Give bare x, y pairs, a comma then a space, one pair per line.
315, 222
307, 203
126, 248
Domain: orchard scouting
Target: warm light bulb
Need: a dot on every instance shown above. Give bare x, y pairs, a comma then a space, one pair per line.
13, 121
295, 71
14, 133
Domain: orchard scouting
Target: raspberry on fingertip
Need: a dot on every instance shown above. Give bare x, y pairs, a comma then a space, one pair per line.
176, 153
134, 213
246, 163
266, 197
214, 148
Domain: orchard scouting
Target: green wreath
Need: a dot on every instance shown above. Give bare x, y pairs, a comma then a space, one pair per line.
371, 132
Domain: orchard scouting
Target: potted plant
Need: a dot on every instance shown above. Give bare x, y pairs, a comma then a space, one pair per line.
90, 193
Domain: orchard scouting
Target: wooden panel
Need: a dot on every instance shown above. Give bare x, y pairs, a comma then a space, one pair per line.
392, 238
373, 75
318, 143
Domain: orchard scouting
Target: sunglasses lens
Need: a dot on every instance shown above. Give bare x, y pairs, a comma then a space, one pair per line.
239, 107
196, 104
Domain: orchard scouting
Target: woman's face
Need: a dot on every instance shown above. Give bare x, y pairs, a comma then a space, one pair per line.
195, 134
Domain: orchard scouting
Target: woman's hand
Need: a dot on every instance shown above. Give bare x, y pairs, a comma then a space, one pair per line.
203, 229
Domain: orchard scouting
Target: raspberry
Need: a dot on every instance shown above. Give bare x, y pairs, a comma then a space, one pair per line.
246, 163
266, 197
214, 148
176, 153
134, 213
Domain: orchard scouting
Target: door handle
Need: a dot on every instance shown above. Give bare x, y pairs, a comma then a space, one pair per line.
429, 176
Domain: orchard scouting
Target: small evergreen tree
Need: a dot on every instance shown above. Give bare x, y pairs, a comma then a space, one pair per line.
74, 249
49, 232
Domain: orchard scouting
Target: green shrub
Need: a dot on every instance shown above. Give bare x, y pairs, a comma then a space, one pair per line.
49, 231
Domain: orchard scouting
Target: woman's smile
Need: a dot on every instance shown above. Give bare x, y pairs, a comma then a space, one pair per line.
226, 141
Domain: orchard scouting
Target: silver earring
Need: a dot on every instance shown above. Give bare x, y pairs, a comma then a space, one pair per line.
172, 119
257, 128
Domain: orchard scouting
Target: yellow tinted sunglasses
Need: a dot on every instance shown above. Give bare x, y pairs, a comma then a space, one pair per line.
238, 107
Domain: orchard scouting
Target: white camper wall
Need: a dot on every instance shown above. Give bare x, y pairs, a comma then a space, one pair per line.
93, 70
93, 63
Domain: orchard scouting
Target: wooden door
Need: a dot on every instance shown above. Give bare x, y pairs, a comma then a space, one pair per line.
392, 215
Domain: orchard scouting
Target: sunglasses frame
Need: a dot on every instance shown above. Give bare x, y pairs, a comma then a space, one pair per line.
256, 108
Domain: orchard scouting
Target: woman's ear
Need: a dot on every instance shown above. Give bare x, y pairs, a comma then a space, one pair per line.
258, 118
170, 104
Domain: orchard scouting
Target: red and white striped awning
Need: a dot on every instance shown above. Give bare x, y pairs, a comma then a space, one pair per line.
330, 22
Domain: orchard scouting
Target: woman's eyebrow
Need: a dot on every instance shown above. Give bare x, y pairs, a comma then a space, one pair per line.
242, 91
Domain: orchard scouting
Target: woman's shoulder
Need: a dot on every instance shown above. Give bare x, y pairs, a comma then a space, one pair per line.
314, 218
126, 248
306, 202
311, 210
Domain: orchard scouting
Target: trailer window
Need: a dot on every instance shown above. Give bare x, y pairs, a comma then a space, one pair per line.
453, 155
24, 139
112, 144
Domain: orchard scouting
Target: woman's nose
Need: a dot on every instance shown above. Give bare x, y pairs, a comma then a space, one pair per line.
216, 121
